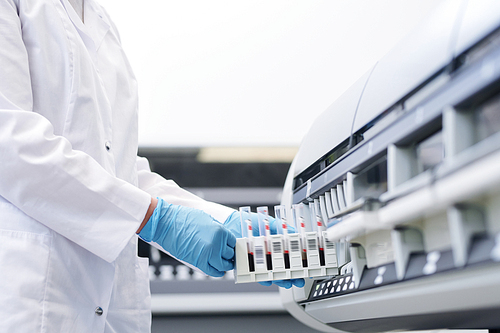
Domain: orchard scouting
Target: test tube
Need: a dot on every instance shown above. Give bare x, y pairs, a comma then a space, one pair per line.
300, 225
330, 251
312, 213
294, 245
246, 231
263, 216
265, 231
318, 219
281, 221
300, 219
320, 226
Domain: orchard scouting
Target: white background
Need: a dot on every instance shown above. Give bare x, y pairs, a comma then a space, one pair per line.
250, 73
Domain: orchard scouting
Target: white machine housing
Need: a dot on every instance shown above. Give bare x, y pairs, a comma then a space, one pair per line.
406, 164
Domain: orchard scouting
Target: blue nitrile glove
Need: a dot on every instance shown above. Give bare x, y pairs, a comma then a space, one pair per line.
233, 223
287, 284
193, 236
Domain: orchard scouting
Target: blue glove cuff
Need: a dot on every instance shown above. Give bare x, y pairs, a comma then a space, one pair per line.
148, 231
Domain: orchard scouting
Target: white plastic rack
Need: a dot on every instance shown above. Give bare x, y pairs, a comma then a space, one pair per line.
302, 254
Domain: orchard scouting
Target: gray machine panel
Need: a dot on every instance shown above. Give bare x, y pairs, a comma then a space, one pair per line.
464, 83
425, 245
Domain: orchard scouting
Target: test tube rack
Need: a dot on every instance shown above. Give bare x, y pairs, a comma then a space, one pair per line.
275, 264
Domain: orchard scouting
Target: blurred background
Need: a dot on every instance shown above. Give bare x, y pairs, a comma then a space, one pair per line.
227, 91
233, 73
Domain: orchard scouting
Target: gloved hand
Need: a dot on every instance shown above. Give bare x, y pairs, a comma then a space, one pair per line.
233, 223
287, 284
191, 235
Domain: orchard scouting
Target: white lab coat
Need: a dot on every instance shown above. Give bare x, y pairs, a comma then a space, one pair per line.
72, 191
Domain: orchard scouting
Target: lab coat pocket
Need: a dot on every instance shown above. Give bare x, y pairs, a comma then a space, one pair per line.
24, 258
142, 274
144, 295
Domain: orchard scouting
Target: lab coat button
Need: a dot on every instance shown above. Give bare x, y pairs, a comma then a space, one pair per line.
107, 145
99, 311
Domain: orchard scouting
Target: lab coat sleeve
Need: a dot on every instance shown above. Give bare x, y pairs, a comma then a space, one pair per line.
64, 189
168, 190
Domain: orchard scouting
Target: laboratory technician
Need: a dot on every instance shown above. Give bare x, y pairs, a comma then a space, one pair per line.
73, 193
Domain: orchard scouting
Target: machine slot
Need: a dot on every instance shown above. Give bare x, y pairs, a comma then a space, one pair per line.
471, 122
371, 182
340, 196
417, 158
429, 152
335, 200
493, 214
378, 245
327, 160
330, 211
487, 119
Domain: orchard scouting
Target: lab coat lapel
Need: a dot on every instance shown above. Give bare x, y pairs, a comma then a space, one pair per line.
96, 25
96, 22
